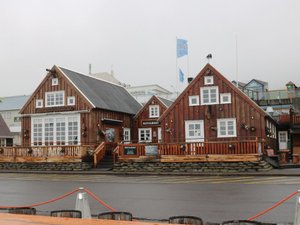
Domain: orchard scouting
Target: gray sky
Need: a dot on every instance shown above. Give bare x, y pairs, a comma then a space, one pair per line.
137, 38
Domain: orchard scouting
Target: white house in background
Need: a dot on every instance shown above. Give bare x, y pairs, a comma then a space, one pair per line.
144, 92
9, 109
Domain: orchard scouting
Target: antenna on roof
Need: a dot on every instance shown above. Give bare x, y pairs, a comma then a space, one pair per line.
90, 69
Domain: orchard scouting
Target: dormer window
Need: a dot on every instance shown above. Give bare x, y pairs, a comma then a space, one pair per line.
208, 80
54, 81
153, 111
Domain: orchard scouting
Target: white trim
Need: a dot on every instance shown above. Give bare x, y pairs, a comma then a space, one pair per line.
199, 137
153, 111
194, 97
222, 95
39, 103
55, 103
159, 136
202, 89
226, 121
207, 79
149, 137
125, 129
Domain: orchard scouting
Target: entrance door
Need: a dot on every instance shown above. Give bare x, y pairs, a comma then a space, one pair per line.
283, 139
112, 138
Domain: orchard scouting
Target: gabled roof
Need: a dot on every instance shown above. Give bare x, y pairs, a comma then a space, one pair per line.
13, 102
165, 101
102, 94
216, 73
4, 130
258, 81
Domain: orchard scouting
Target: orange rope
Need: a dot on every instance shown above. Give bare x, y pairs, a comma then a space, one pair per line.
99, 200
42, 203
274, 206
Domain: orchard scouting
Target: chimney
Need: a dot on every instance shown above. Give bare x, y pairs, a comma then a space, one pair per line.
189, 79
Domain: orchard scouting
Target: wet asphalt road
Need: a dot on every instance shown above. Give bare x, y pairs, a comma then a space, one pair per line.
214, 199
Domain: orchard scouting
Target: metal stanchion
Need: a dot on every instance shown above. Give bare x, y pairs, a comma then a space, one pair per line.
82, 204
297, 211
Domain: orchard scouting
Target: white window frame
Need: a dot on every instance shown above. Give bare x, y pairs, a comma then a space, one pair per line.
222, 95
69, 99
126, 135
69, 124
199, 137
159, 136
208, 80
226, 121
55, 102
153, 111
54, 81
209, 89
145, 131
194, 97
39, 103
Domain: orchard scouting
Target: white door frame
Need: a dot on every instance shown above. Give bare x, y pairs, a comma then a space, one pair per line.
283, 143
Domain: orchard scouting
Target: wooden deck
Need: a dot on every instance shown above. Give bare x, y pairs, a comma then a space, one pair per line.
16, 219
44, 153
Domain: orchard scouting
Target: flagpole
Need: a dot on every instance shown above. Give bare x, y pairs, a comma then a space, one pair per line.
236, 61
176, 71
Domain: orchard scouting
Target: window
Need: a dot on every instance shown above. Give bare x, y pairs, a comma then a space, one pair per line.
194, 130
193, 100
226, 127
126, 134
55, 98
208, 80
56, 130
71, 100
225, 98
145, 135
49, 131
37, 131
39, 103
54, 81
209, 95
159, 135
153, 111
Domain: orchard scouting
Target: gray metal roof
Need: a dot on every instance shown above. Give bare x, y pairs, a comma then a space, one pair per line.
102, 94
4, 130
13, 102
167, 102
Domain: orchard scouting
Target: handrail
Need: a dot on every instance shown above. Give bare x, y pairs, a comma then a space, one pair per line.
116, 152
99, 153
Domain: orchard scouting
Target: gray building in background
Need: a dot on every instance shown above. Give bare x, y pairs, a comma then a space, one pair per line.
9, 110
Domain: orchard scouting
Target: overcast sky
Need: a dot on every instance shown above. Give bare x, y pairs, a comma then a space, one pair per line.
137, 39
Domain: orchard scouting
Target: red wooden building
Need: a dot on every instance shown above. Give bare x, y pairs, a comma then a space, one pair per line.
147, 127
212, 109
72, 109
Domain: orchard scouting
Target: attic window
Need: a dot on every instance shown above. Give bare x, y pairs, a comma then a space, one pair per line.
153, 111
225, 98
71, 100
54, 81
208, 80
193, 100
39, 103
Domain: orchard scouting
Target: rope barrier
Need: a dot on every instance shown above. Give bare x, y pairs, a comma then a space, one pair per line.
42, 203
274, 206
99, 200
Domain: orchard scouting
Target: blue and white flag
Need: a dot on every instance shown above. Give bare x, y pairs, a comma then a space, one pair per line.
181, 76
182, 48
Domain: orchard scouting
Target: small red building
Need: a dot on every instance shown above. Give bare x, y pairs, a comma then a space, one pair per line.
147, 127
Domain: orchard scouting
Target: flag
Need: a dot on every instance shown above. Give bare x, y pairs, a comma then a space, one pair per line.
182, 48
181, 76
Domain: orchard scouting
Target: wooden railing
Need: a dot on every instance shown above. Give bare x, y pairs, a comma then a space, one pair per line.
195, 148
287, 119
43, 153
99, 153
